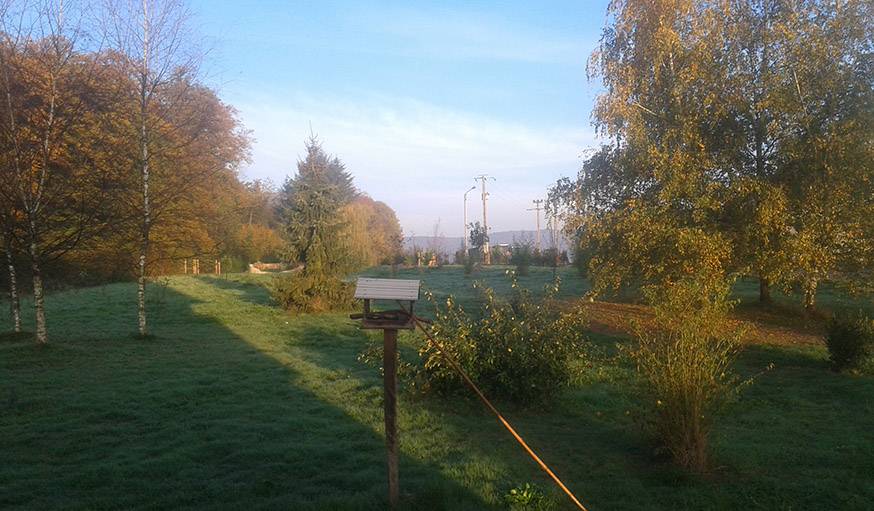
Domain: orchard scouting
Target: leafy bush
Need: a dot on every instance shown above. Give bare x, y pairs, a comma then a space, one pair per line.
311, 292
517, 349
499, 254
684, 356
850, 341
522, 257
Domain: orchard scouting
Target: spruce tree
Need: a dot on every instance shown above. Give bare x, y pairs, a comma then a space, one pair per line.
310, 206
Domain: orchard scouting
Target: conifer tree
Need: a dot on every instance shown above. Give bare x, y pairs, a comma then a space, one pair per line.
310, 206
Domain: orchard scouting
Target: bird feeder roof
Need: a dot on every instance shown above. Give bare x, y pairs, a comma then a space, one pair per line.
387, 289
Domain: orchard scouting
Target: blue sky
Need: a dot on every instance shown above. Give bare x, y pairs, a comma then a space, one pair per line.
416, 98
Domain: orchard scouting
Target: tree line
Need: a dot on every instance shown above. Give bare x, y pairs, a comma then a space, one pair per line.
738, 143
118, 162
116, 158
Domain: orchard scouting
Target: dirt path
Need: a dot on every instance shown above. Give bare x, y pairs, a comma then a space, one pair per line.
763, 326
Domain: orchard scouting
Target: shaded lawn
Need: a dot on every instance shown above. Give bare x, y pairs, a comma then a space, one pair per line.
236, 403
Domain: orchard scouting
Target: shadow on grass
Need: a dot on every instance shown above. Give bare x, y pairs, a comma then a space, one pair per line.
15, 337
581, 438
196, 417
245, 289
799, 357
797, 438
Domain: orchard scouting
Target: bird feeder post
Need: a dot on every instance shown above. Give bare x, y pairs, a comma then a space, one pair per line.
390, 409
389, 322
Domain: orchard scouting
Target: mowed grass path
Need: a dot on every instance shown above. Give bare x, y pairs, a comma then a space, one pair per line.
237, 404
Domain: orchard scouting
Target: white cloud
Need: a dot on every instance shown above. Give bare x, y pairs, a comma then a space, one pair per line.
418, 158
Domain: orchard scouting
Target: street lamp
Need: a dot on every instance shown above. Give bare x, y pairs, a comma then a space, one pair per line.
464, 231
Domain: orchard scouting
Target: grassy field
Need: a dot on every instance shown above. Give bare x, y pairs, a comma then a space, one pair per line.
236, 404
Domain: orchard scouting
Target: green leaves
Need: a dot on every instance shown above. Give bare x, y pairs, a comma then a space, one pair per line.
684, 357
310, 205
518, 349
746, 125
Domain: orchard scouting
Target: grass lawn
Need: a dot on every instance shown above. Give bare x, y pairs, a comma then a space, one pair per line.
236, 404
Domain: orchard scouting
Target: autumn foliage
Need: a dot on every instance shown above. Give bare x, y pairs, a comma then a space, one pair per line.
738, 139
112, 167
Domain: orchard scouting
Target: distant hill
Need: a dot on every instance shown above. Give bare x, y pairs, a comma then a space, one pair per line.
449, 244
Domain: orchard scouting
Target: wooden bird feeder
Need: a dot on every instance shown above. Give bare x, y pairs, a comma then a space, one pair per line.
404, 293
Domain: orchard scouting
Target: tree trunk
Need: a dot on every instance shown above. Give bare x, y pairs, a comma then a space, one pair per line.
810, 295
42, 337
144, 241
14, 301
144, 148
764, 290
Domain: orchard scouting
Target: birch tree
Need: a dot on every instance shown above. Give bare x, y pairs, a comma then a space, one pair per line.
153, 39
739, 141
7, 235
52, 181
7, 211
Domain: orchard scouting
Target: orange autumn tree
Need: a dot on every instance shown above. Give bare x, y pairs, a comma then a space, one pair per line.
57, 173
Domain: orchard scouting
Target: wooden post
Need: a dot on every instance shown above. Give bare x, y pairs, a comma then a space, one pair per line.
185, 266
389, 322
390, 385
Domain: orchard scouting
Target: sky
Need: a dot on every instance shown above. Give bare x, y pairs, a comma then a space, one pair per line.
416, 98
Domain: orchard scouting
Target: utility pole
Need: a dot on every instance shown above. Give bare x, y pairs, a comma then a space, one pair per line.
487, 255
553, 225
464, 231
536, 209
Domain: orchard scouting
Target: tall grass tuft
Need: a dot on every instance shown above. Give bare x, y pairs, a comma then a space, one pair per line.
684, 357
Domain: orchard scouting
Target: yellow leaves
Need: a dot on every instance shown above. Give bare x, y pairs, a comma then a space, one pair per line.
372, 231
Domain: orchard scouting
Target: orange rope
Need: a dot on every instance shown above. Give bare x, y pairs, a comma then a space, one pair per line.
495, 411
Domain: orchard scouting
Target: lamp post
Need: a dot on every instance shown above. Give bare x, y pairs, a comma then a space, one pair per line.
464, 231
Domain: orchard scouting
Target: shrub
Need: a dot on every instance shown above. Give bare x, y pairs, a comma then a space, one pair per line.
310, 292
850, 341
470, 264
684, 357
522, 257
517, 349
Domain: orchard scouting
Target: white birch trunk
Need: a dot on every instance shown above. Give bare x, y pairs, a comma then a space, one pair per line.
14, 300
144, 146
42, 336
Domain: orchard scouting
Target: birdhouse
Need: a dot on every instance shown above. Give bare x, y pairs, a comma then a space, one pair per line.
403, 292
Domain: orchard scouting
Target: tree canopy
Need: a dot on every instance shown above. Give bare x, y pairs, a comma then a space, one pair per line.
739, 142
